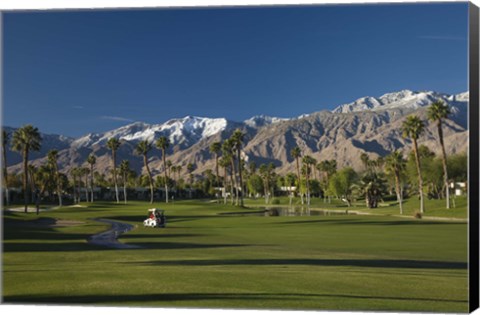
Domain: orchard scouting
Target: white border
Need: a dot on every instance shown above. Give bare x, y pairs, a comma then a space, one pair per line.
99, 4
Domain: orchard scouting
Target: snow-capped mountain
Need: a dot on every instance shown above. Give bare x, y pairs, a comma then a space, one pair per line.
181, 131
404, 99
368, 125
410, 100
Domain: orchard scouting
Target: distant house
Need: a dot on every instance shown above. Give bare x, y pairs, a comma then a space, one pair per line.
459, 188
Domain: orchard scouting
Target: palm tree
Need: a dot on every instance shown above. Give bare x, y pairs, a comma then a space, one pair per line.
75, 172
52, 158
412, 128
395, 164
26, 139
308, 161
124, 170
224, 162
365, 161
85, 171
328, 167
169, 168
91, 160
227, 152
190, 169
237, 140
5, 138
143, 147
163, 143
372, 187
113, 144
436, 113
179, 170
216, 148
296, 153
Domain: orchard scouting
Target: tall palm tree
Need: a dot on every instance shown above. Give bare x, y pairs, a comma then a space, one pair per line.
124, 170
143, 147
436, 112
224, 162
52, 158
113, 144
163, 143
169, 168
91, 160
190, 168
75, 172
237, 139
395, 164
24, 140
227, 152
216, 148
296, 153
412, 128
365, 161
85, 171
308, 161
5, 138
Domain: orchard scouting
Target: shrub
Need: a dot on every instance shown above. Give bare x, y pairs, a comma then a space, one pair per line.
417, 215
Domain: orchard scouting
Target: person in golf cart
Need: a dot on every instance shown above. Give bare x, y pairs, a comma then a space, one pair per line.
156, 218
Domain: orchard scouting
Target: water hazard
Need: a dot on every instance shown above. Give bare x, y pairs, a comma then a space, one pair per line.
289, 212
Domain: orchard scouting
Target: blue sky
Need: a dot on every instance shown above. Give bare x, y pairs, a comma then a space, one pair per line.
87, 71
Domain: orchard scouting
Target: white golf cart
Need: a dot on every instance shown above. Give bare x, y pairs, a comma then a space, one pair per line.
156, 218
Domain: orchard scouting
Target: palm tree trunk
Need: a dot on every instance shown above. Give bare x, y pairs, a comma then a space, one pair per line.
91, 182
145, 161
240, 177
233, 176
299, 180
308, 188
5, 178
216, 169
419, 173
114, 158
444, 163
125, 188
231, 185
86, 186
25, 179
397, 188
165, 173
225, 179
78, 191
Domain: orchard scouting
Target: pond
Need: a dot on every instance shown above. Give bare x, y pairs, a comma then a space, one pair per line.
301, 211
288, 212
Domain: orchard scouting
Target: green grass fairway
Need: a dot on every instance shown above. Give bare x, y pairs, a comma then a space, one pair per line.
204, 259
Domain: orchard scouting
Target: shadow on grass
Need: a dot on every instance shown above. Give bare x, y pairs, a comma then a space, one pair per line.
373, 263
361, 221
80, 246
194, 296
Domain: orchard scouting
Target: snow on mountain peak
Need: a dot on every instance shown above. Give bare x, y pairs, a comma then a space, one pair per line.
400, 99
179, 130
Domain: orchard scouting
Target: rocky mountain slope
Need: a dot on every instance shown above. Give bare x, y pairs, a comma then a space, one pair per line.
369, 124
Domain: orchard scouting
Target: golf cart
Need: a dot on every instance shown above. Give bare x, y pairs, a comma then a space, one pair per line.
156, 218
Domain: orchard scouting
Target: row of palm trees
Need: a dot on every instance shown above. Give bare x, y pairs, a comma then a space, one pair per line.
413, 127
228, 156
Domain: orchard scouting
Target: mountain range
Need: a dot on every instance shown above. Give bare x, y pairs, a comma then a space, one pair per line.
369, 124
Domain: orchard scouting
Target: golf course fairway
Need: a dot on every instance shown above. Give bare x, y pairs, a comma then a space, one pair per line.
219, 256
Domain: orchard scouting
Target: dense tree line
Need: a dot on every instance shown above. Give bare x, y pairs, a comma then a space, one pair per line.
420, 172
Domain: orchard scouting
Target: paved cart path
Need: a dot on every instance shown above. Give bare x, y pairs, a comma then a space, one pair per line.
110, 238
